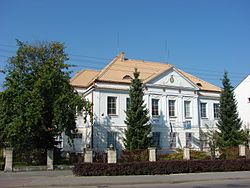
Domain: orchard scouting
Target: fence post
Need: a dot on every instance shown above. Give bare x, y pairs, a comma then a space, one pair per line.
242, 150
152, 154
88, 155
50, 159
112, 154
8, 154
186, 153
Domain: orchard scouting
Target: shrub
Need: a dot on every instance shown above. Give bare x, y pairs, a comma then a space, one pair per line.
160, 167
178, 155
199, 155
229, 153
30, 157
134, 156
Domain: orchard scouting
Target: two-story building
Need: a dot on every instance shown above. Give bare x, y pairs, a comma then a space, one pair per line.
180, 105
242, 95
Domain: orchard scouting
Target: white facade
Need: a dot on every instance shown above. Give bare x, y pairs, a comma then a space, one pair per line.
242, 95
179, 128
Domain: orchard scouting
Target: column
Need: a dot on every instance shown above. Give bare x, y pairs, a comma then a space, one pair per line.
152, 154
88, 156
50, 159
8, 160
186, 153
112, 155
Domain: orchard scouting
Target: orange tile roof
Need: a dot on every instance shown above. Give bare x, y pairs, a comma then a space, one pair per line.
120, 69
84, 78
202, 85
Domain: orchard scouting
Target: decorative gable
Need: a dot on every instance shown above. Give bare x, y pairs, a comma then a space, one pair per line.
173, 78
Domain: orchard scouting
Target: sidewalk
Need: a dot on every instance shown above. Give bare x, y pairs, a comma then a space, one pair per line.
65, 178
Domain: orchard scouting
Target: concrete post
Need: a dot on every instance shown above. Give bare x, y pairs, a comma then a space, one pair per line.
112, 155
242, 150
88, 156
186, 153
8, 153
152, 154
50, 159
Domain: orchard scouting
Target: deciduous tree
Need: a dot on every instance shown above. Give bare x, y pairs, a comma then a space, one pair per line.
38, 102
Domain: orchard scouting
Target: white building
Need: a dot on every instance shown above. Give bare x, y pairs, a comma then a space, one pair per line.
242, 95
180, 104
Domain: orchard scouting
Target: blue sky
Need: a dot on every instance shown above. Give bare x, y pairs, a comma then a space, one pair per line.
202, 37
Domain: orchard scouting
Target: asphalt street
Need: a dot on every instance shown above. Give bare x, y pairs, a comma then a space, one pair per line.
65, 179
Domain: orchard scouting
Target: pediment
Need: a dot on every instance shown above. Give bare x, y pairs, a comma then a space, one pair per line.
173, 78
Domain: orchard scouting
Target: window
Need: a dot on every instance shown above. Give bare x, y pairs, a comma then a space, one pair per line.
111, 139
155, 107
187, 109
187, 124
203, 110
188, 139
112, 105
171, 108
156, 139
216, 110
172, 143
127, 103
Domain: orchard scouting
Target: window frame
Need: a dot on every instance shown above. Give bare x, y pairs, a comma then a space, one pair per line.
201, 108
172, 112
111, 108
155, 107
189, 109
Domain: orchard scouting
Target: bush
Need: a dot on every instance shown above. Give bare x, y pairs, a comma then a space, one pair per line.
160, 167
178, 155
199, 155
30, 157
134, 156
229, 153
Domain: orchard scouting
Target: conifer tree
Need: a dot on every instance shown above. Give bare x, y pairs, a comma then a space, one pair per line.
229, 123
137, 119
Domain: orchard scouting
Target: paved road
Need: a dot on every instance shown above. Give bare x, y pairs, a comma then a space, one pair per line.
66, 179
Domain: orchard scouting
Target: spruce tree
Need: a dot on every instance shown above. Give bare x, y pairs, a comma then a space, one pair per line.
229, 123
137, 119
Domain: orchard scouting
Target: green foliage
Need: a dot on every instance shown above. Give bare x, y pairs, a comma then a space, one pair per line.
137, 119
229, 153
38, 103
134, 155
34, 157
178, 155
229, 122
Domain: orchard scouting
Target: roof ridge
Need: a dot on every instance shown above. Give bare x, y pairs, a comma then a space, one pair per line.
195, 77
159, 72
107, 67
